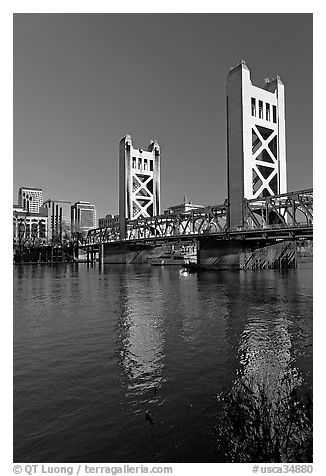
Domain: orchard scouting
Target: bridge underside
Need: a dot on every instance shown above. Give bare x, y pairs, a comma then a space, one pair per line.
247, 254
210, 252
125, 253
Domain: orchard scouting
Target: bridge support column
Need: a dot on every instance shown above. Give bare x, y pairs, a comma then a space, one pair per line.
253, 254
76, 251
101, 254
198, 252
123, 228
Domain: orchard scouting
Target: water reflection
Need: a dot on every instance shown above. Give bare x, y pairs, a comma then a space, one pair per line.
140, 334
262, 412
123, 341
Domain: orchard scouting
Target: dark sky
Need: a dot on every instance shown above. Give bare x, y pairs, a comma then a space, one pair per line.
83, 81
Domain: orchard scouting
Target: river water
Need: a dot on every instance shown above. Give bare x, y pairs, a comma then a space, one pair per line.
129, 363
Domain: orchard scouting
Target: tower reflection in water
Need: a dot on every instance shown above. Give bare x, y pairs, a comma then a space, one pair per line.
265, 416
140, 336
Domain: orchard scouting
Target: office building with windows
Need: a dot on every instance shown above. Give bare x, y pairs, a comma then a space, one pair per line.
59, 213
83, 217
29, 226
109, 221
30, 199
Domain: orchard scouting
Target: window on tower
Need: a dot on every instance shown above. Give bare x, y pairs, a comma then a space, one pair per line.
268, 112
274, 114
261, 116
253, 106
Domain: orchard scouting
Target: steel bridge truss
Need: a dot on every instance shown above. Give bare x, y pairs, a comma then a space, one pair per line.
210, 220
103, 235
286, 211
292, 209
196, 222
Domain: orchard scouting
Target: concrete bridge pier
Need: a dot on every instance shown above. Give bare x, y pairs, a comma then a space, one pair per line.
250, 254
90, 255
101, 254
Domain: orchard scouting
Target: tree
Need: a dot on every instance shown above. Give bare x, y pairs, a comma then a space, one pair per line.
61, 235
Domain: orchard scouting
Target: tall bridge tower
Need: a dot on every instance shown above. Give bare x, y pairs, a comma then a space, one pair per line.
256, 150
139, 182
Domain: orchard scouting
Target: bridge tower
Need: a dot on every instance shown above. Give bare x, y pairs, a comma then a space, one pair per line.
256, 151
139, 182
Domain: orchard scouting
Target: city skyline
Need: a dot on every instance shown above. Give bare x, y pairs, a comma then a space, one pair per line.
83, 81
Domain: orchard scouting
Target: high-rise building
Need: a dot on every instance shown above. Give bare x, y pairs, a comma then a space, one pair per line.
59, 212
256, 148
139, 181
83, 217
30, 199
